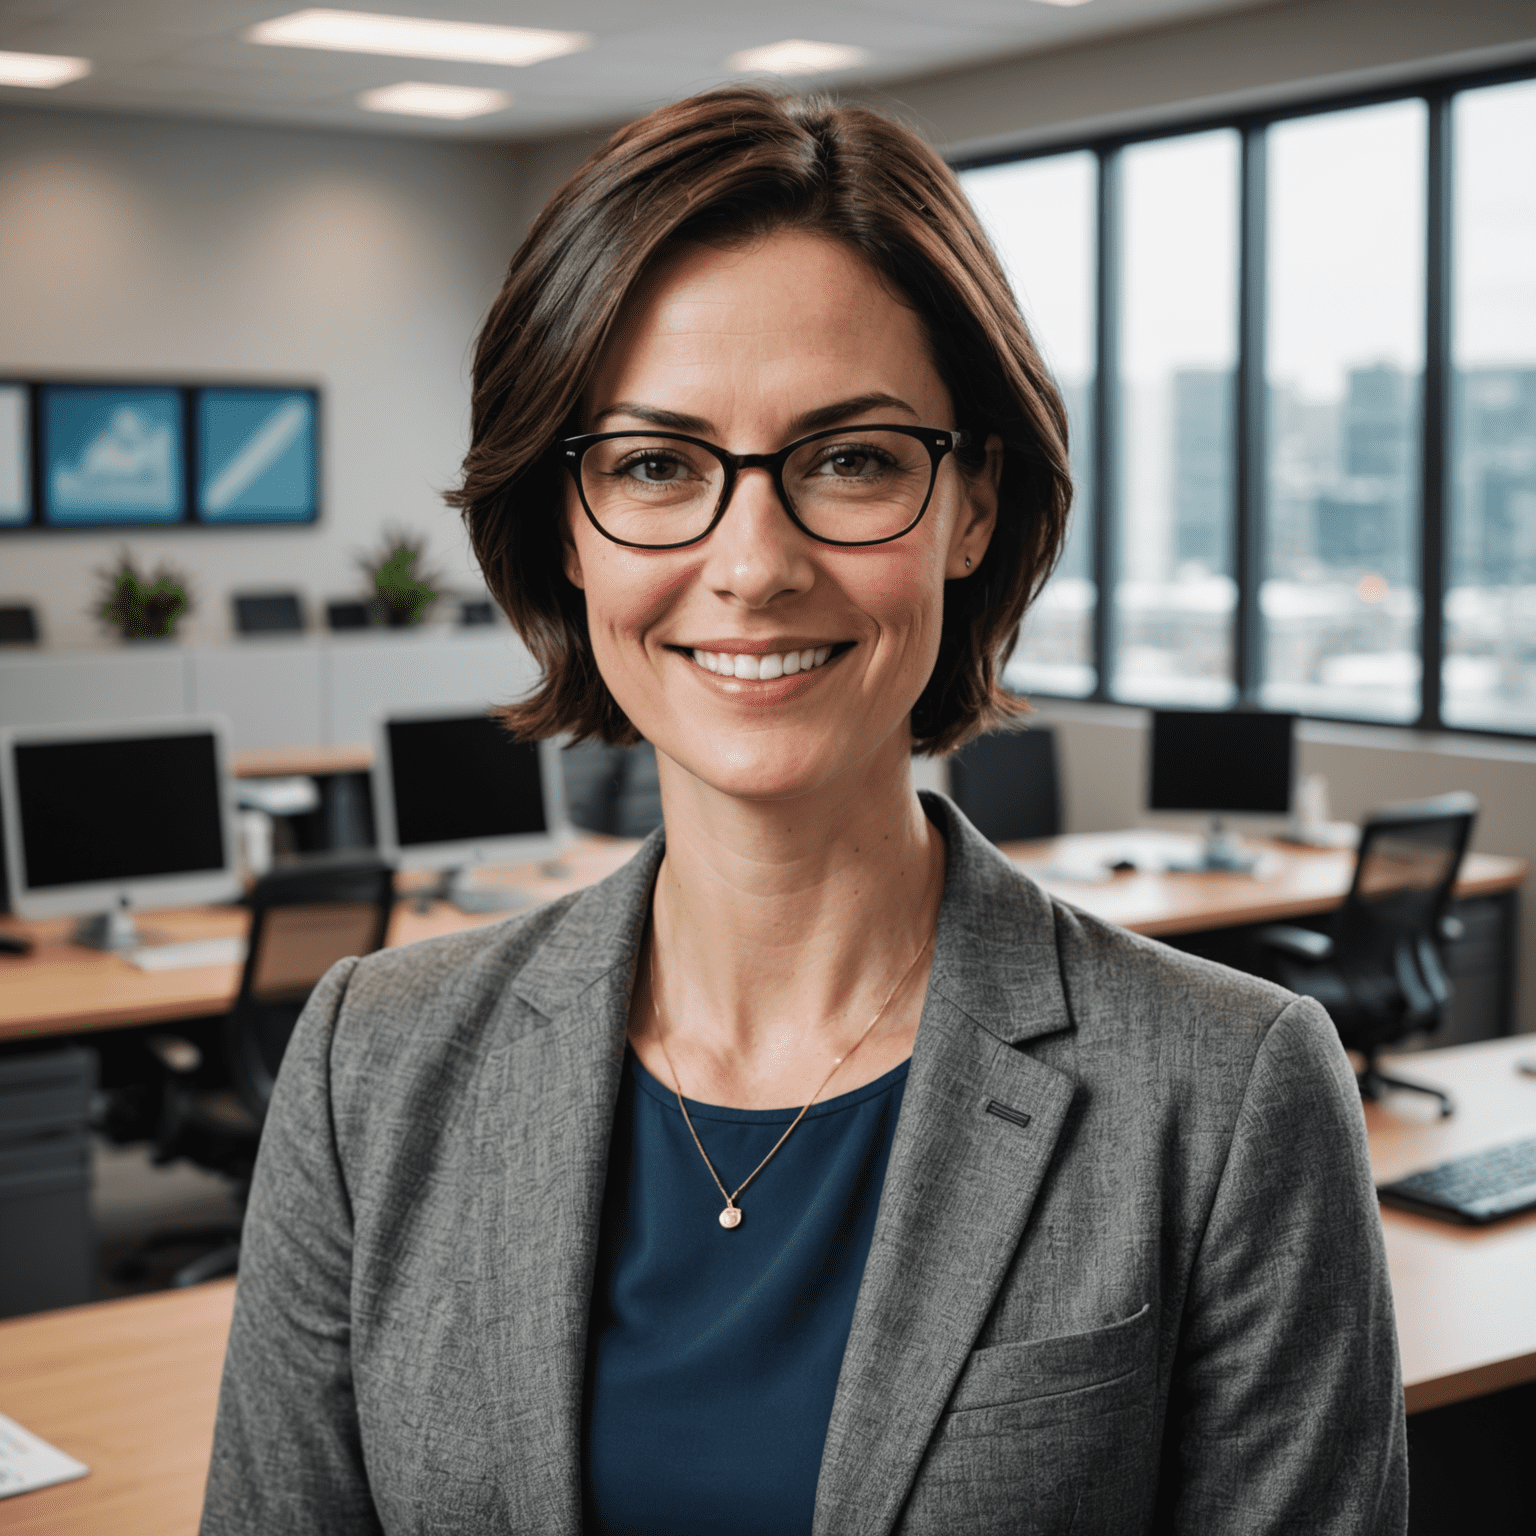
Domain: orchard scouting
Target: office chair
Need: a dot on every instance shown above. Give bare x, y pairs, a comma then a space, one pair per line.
1377, 970
268, 613
1007, 784
613, 789
304, 918
18, 624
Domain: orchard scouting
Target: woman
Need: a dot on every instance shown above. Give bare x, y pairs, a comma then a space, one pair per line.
816, 1172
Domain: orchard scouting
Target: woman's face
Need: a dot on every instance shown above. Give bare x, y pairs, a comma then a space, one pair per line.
745, 347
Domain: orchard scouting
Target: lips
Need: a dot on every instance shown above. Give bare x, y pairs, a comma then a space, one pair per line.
765, 668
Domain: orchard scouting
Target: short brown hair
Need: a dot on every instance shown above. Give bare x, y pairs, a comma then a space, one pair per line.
727, 166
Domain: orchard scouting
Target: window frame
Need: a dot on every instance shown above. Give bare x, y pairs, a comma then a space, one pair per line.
1250, 488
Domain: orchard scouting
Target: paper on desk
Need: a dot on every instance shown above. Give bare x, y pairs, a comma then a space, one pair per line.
183, 957
27, 1462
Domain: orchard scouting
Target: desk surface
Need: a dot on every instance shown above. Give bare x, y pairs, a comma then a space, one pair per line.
1466, 1296
130, 1387
1296, 882
63, 989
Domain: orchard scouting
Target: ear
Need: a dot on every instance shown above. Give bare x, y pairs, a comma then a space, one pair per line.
978, 515
570, 559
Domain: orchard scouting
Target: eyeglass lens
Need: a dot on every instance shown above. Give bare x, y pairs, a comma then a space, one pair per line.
852, 489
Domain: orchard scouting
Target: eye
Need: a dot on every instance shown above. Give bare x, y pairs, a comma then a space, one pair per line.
652, 468
852, 461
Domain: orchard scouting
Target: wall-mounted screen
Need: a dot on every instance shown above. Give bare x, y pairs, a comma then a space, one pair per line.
15, 456
112, 455
257, 459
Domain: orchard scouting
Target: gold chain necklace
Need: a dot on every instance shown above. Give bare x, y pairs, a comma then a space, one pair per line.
731, 1216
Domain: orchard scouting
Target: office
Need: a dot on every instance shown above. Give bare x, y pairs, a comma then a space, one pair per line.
362, 332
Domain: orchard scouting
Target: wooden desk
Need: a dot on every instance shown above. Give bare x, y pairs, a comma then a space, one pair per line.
1466, 1296
282, 762
64, 989
129, 1387
1298, 882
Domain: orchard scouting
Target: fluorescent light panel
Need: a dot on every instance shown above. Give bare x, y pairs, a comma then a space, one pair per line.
1063, 2
419, 98
797, 56
43, 70
416, 37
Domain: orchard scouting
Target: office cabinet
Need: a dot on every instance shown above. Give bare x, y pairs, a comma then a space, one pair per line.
47, 1245
270, 690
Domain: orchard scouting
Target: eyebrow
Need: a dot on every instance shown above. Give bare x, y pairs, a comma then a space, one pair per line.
808, 421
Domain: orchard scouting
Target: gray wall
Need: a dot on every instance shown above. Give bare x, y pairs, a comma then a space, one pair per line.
134, 246
1281, 52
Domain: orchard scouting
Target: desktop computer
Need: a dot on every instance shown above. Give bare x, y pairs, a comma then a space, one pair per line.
103, 819
1235, 763
452, 789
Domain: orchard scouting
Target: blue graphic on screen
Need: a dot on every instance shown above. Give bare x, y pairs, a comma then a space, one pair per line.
15, 466
112, 455
256, 456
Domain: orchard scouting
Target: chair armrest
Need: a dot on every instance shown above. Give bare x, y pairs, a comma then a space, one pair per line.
1303, 943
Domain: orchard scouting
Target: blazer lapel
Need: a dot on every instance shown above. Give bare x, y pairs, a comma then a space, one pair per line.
547, 1124
978, 1126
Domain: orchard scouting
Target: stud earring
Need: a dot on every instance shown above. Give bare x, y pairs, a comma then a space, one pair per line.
967, 562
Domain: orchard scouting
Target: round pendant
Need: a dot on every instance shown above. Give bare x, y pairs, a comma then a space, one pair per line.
730, 1217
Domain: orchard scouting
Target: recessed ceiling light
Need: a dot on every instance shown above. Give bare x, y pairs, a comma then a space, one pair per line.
418, 98
797, 56
44, 70
415, 37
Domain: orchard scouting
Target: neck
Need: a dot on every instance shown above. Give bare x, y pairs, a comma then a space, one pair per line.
779, 930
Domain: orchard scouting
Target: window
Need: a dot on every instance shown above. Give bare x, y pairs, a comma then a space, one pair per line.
1175, 599
1345, 354
1299, 355
1040, 217
1490, 607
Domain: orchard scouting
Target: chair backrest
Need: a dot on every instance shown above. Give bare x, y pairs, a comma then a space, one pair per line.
304, 918
615, 790
1386, 935
268, 613
1007, 784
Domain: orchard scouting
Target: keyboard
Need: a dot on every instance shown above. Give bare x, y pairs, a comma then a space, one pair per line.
1476, 1188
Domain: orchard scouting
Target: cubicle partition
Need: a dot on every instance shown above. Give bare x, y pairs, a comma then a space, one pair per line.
276, 693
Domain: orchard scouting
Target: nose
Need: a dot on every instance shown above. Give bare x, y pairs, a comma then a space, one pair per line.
756, 555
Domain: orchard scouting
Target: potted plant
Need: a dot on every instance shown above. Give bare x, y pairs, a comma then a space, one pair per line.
142, 607
404, 587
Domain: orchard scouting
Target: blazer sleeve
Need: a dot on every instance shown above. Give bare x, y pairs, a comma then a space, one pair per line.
1286, 1411
287, 1454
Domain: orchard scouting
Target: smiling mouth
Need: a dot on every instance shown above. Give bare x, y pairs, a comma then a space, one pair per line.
775, 664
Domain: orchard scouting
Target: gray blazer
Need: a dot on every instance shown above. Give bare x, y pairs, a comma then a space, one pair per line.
1127, 1273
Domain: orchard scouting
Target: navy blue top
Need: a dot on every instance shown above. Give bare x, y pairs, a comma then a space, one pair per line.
714, 1354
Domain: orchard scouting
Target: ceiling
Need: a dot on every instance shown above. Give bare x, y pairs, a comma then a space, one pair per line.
187, 57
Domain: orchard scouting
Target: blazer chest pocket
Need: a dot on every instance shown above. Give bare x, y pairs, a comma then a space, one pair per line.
1037, 1370
1045, 1437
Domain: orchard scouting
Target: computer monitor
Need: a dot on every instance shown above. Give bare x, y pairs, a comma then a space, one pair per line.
1239, 762
451, 789
103, 819
265, 613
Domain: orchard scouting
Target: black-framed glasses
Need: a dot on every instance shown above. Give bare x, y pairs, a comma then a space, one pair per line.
849, 485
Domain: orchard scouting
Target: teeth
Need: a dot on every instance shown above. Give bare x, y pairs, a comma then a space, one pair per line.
763, 668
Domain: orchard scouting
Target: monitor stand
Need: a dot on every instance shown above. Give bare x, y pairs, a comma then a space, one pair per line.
114, 930
1223, 852
454, 887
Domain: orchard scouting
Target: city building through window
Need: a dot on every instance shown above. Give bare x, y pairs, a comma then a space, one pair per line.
1298, 352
